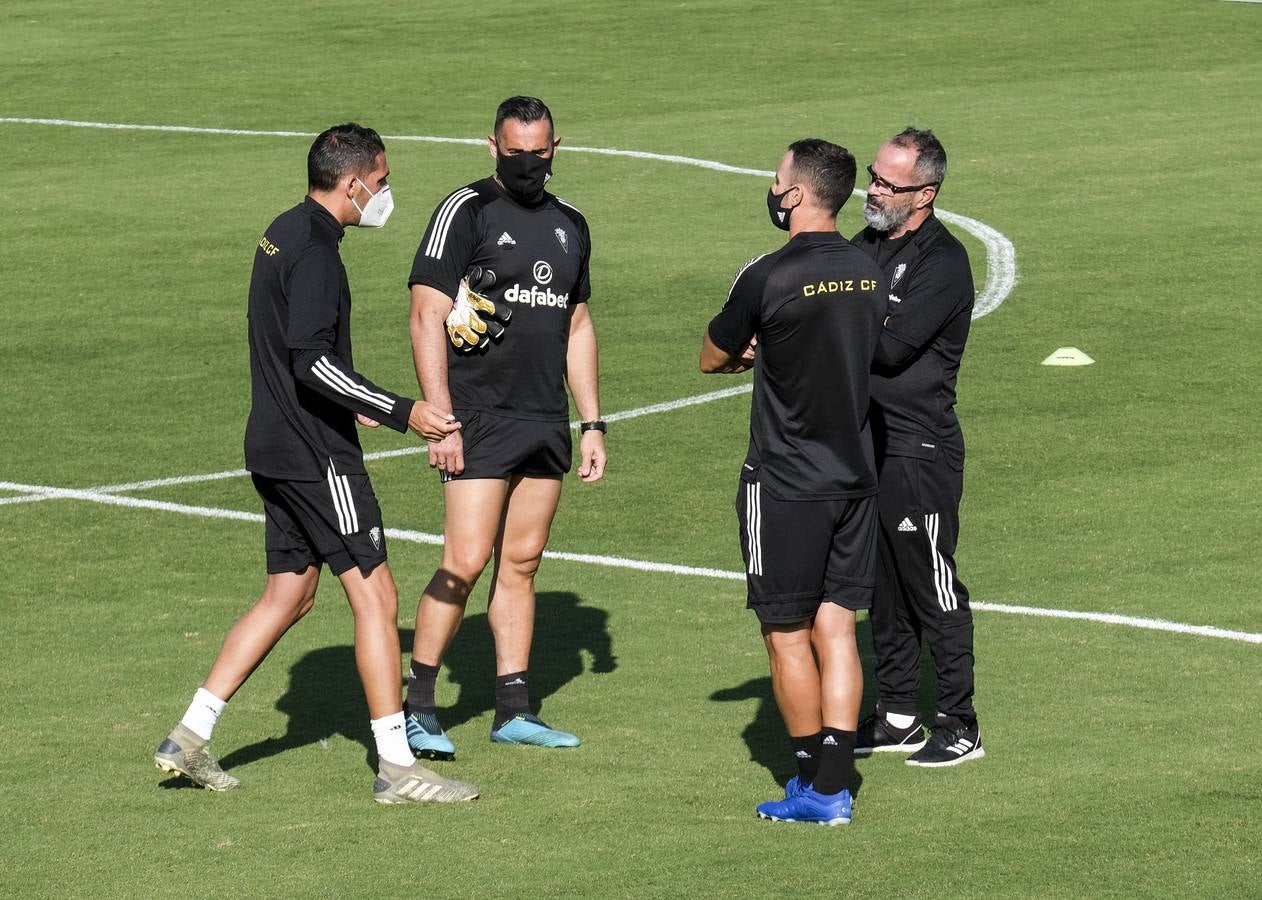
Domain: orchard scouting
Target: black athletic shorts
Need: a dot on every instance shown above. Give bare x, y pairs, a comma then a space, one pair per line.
501, 446
800, 553
335, 521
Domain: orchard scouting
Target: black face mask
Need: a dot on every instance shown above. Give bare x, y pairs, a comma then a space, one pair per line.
779, 217
524, 175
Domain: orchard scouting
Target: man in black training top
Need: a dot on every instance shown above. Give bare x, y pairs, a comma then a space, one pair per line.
302, 449
807, 317
502, 471
920, 458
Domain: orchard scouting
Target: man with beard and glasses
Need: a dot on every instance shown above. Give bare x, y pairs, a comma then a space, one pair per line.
505, 248
920, 458
806, 501
303, 451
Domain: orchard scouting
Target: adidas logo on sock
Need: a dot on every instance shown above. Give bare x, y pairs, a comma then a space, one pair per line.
506, 238
830, 741
517, 680
906, 525
802, 754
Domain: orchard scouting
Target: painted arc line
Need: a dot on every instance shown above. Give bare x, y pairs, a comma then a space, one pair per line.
652, 409
1001, 256
619, 562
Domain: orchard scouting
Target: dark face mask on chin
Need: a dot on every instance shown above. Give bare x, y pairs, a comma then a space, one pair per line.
524, 175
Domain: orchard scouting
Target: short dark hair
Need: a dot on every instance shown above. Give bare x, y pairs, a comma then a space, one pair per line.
342, 150
523, 109
931, 159
828, 168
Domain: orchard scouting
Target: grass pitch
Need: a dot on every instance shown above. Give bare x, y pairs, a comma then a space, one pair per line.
1112, 143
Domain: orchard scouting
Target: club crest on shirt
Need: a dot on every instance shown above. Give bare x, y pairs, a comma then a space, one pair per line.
562, 239
898, 273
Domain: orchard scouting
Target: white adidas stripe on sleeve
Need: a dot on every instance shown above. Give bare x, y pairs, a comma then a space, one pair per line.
326, 372
742, 272
442, 221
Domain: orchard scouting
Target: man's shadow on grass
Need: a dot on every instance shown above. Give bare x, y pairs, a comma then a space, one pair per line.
325, 697
765, 735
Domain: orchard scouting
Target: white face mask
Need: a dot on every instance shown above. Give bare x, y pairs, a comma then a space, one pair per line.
375, 212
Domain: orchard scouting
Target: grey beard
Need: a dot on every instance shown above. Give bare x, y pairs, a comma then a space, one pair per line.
887, 219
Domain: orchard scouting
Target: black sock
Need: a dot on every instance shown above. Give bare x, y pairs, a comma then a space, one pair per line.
421, 688
512, 697
806, 751
836, 761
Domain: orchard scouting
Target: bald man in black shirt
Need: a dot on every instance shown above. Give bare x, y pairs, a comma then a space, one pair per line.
502, 471
808, 317
920, 459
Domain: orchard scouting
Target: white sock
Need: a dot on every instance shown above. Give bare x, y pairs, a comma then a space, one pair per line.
899, 720
391, 734
203, 713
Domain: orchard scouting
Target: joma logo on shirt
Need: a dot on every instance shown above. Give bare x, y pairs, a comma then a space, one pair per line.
267, 246
837, 287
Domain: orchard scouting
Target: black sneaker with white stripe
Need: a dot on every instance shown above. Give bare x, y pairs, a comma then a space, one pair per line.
953, 741
877, 735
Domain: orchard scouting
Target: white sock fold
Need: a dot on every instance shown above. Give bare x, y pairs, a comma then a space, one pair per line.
900, 720
203, 713
391, 735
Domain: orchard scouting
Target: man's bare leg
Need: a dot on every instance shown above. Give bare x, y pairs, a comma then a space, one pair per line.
794, 676
374, 600
473, 512
528, 514
817, 690
841, 689
840, 671
471, 522
795, 681
286, 598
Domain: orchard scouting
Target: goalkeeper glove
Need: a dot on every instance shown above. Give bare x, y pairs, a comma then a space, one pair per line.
472, 321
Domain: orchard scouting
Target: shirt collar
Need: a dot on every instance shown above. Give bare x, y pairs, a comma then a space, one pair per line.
319, 212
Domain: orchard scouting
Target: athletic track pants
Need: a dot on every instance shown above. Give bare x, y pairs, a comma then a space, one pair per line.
918, 592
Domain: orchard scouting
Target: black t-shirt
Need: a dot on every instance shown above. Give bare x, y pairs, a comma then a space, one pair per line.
540, 258
930, 309
816, 305
305, 391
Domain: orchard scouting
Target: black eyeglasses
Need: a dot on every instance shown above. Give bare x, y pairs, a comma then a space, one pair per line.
894, 188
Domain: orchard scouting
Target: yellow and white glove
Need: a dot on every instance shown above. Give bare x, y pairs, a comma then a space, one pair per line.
474, 321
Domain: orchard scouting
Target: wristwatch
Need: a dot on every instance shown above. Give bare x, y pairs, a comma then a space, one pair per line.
598, 425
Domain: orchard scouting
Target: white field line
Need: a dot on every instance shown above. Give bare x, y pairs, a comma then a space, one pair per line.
1001, 256
1248, 637
620, 562
128, 487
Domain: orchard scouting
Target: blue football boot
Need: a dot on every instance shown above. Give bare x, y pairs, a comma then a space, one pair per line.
527, 728
793, 787
427, 738
808, 806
